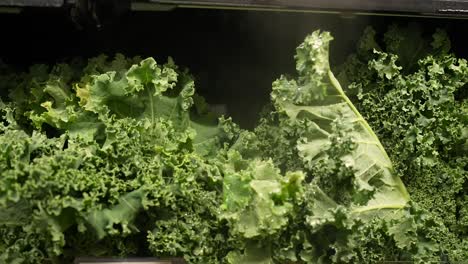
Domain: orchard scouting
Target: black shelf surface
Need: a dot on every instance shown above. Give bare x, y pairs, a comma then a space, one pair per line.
32, 3
401, 7
434, 8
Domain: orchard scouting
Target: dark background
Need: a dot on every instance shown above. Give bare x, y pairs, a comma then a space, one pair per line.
234, 55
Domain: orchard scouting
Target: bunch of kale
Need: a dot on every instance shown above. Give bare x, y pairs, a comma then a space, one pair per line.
120, 157
413, 93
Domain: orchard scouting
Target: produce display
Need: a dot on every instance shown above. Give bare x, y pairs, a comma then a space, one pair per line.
120, 157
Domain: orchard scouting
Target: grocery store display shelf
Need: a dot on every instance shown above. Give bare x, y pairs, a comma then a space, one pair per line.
30, 3
432, 8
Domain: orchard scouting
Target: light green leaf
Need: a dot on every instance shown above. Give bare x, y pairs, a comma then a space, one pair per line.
257, 199
119, 218
372, 167
254, 253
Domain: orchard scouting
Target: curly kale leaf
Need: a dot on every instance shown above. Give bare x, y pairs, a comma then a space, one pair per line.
316, 115
101, 176
419, 111
350, 189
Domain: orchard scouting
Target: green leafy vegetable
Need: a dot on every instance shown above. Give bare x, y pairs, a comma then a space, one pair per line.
120, 157
352, 189
124, 160
419, 110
